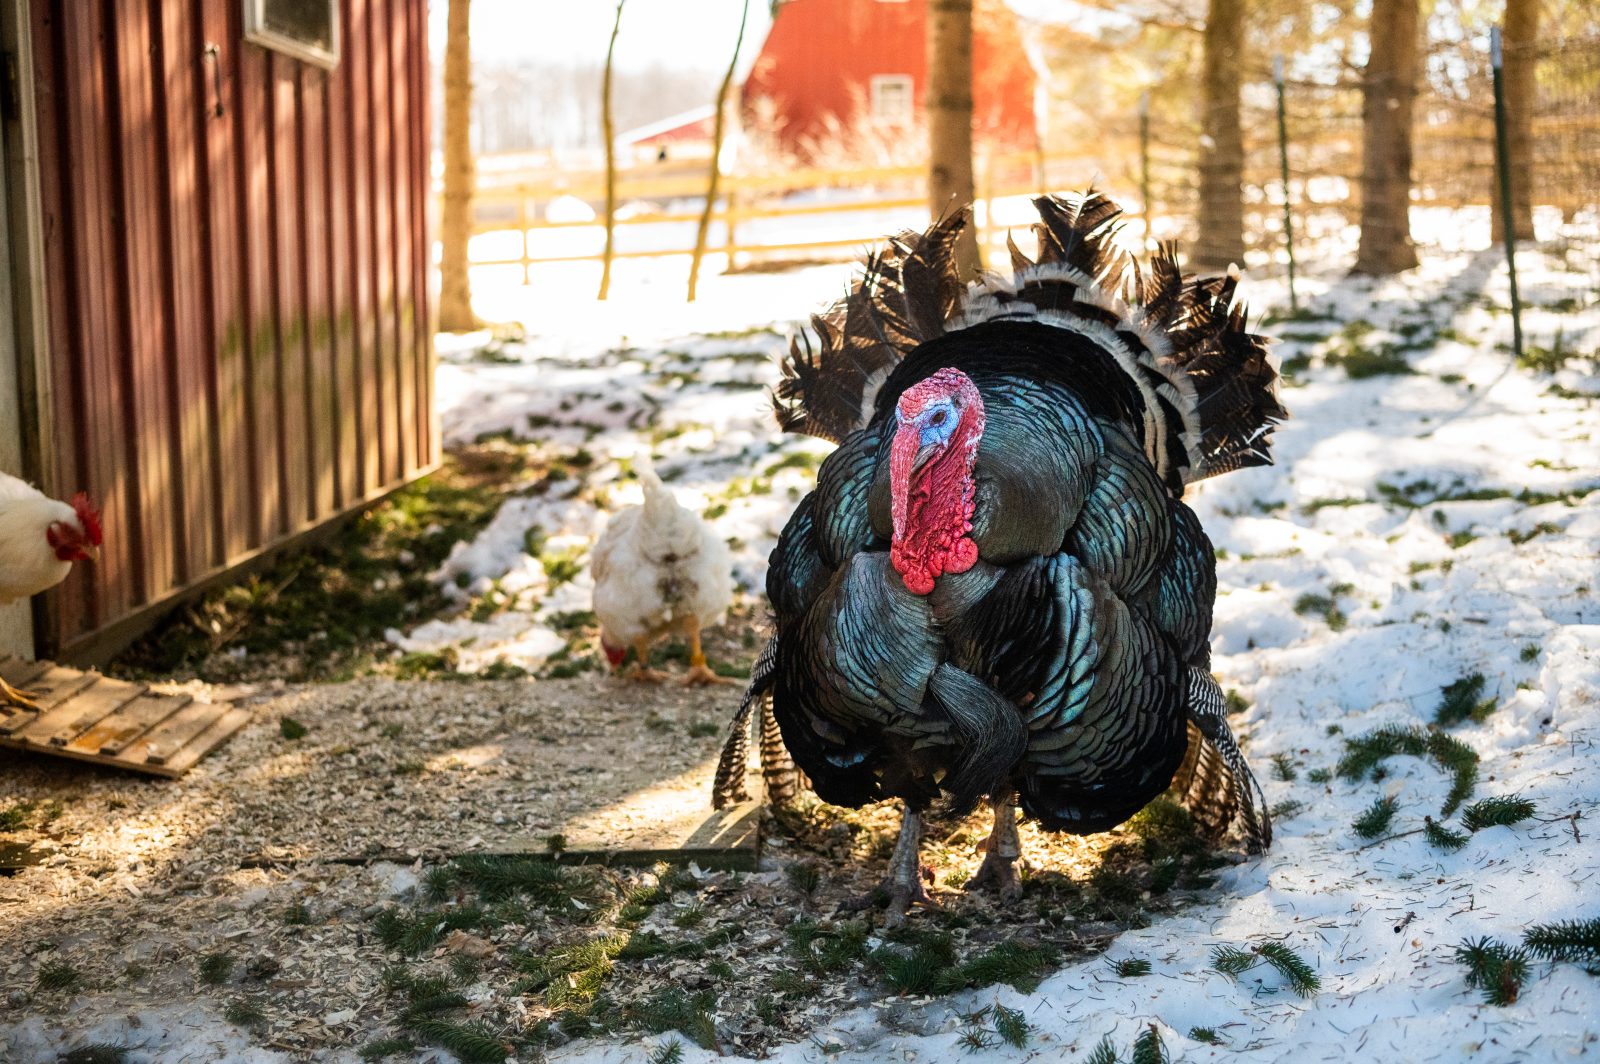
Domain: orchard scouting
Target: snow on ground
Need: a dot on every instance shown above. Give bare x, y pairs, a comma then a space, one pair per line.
1418, 527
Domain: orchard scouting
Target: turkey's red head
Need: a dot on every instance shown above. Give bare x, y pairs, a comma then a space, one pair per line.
77, 541
939, 422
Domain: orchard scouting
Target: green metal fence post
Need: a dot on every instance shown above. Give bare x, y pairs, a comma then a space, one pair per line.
1503, 171
1283, 171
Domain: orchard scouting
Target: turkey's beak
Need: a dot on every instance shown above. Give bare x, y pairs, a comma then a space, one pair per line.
924, 453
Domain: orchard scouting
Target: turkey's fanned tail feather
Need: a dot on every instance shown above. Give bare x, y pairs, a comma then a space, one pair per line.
728, 788
907, 293
1209, 388
1215, 781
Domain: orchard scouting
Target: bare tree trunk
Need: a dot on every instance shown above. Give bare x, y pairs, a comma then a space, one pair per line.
1520, 42
455, 215
949, 104
1221, 236
1389, 91
716, 158
611, 158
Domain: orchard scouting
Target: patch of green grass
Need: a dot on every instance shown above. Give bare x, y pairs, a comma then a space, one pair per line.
1530, 652
1283, 768
321, 613
1543, 528
1324, 606
292, 729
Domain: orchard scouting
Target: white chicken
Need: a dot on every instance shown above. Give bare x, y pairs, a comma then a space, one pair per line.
659, 570
40, 538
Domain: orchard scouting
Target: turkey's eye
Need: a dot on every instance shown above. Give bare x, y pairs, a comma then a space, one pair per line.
939, 417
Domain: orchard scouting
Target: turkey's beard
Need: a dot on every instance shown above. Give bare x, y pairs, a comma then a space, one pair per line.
933, 505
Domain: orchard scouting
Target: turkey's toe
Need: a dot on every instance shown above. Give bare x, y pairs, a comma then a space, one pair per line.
999, 874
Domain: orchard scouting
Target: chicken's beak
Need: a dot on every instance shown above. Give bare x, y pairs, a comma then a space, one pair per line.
91, 553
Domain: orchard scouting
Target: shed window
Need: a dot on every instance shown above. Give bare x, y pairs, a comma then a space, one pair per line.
891, 97
305, 29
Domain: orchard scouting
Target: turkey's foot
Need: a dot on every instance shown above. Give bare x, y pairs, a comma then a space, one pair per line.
701, 674
18, 699
1001, 850
903, 886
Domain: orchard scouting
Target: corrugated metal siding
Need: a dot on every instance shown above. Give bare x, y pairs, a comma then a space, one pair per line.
238, 325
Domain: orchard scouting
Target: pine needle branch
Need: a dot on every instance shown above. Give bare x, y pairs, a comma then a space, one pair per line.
1147, 1048
1500, 811
1232, 961
1495, 968
1442, 837
1012, 1025
1569, 940
1377, 818
1104, 1053
1303, 979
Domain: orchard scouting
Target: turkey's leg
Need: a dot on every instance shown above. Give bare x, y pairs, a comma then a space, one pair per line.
1001, 850
699, 672
10, 696
641, 665
904, 881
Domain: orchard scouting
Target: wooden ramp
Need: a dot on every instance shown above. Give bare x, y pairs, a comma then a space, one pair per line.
90, 717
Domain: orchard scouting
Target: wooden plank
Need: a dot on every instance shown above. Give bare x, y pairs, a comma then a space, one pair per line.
20, 673
253, 150
340, 299
399, 118
180, 75
70, 719
154, 482
377, 135
57, 684
221, 728
356, 70
286, 209
321, 411
421, 159
117, 732
228, 288
665, 823
160, 743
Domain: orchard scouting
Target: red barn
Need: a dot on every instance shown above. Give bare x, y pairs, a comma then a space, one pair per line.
825, 62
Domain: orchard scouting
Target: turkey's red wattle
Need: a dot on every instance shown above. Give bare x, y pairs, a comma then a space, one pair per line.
932, 503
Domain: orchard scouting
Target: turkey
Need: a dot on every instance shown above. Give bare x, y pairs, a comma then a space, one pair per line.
659, 570
40, 538
996, 590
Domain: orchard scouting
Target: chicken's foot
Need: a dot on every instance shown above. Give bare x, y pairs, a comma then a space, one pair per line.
699, 672
11, 696
1001, 850
641, 665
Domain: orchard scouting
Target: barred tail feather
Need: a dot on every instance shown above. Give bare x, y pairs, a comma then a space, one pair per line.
728, 788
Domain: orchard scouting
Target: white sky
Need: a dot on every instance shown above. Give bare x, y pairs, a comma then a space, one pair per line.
688, 34
692, 34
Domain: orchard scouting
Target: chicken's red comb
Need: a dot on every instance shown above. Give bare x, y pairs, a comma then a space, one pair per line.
88, 516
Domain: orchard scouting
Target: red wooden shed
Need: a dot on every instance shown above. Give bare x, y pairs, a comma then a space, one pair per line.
824, 61
215, 313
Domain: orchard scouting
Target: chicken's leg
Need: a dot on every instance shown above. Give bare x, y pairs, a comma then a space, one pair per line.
10, 696
641, 664
1001, 850
699, 672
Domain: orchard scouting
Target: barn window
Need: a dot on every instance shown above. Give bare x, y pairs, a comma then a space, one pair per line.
305, 29
891, 97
